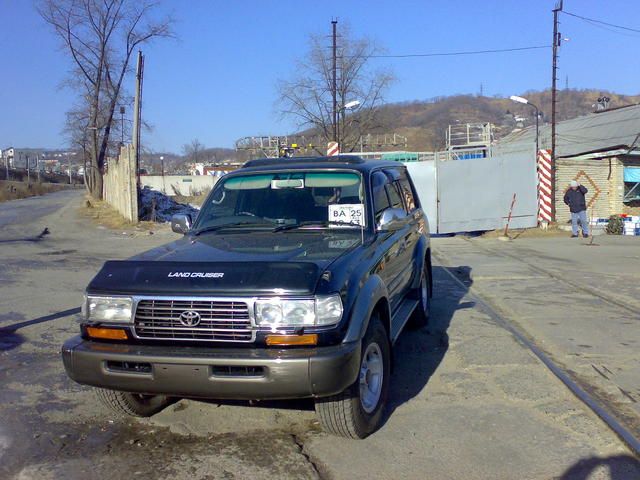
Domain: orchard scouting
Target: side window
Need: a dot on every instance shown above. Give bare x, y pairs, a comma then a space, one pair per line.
380, 201
407, 192
394, 195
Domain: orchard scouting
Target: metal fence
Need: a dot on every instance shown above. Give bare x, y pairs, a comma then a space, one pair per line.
476, 194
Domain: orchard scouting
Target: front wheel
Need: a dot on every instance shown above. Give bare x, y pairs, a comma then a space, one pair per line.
358, 411
132, 404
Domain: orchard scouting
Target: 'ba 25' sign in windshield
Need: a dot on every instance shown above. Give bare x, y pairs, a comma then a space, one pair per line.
348, 213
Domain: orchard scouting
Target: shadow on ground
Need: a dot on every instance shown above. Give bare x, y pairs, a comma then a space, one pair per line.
619, 467
418, 353
9, 339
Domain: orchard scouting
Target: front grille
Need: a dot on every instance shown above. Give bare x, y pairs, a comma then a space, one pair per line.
219, 321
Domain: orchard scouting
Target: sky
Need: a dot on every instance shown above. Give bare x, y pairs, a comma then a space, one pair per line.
216, 82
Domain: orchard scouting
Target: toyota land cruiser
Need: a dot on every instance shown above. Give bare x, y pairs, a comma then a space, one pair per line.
294, 281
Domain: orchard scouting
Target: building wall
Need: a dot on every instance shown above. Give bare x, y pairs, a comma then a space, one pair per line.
630, 208
602, 177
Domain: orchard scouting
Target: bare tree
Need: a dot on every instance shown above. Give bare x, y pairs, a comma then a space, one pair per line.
308, 97
101, 37
193, 150
76, 129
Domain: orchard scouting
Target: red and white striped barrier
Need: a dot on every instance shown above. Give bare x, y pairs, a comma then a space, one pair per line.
333, 149
544, 186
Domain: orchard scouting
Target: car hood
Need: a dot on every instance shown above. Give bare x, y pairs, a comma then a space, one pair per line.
241, 264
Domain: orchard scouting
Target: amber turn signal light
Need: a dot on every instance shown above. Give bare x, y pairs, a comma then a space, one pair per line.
108, 333
292, 340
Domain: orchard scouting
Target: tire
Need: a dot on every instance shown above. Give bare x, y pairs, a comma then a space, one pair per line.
132, 404
358, 411
420, 316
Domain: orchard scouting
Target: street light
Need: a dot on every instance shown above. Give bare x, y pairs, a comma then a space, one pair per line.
352, 105
524, 101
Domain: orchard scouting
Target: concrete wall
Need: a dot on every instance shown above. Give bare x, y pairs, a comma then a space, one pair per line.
186, 185
119, 185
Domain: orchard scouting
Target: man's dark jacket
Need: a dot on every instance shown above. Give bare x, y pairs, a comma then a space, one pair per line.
575, 199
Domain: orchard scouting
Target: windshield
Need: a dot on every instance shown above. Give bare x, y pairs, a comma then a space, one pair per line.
285, 198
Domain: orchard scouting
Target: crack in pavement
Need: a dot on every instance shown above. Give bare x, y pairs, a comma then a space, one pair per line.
314, 466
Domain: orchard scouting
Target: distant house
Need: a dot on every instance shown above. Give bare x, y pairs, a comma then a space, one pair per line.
601, 151
20, 158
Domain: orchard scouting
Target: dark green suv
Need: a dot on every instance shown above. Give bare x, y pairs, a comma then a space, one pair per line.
294, 281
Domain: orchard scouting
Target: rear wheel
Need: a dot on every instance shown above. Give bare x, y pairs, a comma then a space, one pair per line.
132, 404
358, 411
420, 316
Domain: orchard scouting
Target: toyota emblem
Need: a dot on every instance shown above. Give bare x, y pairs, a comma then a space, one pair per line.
190, 318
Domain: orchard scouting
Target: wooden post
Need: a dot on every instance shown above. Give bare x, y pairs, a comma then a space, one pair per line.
506, 228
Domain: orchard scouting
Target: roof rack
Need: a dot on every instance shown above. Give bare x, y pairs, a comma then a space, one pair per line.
352, 159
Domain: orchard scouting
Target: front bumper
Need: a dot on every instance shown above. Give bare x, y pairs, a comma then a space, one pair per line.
218, 373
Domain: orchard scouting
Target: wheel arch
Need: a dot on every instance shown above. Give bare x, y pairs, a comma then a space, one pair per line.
421, 255
373, 296
428, 264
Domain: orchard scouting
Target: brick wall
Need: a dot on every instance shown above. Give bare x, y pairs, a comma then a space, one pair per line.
602, 177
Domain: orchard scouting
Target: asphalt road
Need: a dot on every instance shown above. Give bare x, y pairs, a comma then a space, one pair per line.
478, 406
29, 210
579, 300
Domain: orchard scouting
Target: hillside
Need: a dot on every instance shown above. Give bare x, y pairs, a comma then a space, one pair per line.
424, 122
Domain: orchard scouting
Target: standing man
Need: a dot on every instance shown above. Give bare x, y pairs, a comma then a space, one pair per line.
574, 197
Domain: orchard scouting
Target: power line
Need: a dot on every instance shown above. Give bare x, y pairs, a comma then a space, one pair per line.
593, 20
612, 30
451, 54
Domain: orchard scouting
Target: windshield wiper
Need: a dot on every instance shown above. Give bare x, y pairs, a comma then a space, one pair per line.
214, 228
322, 223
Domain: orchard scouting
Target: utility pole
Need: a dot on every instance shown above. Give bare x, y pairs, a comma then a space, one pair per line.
334, 83
137, 110
122, 125
554, 79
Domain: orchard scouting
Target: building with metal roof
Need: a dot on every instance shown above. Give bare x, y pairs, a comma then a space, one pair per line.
607, 132
601, 150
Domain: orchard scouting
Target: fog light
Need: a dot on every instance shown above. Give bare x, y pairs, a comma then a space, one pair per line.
291, 340
108, 333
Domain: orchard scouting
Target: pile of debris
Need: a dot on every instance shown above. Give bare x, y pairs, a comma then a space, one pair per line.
155, 206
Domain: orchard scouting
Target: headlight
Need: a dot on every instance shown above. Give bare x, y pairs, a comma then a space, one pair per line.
276, 312
329, 309
108, 309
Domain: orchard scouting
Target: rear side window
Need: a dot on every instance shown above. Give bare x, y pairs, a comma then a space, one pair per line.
380, 200
407, 192
394, 195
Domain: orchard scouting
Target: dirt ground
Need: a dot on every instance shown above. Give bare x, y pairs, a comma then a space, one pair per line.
102, 214
10, 190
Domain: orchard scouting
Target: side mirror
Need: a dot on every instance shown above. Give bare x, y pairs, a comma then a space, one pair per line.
391, 219
181, 223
